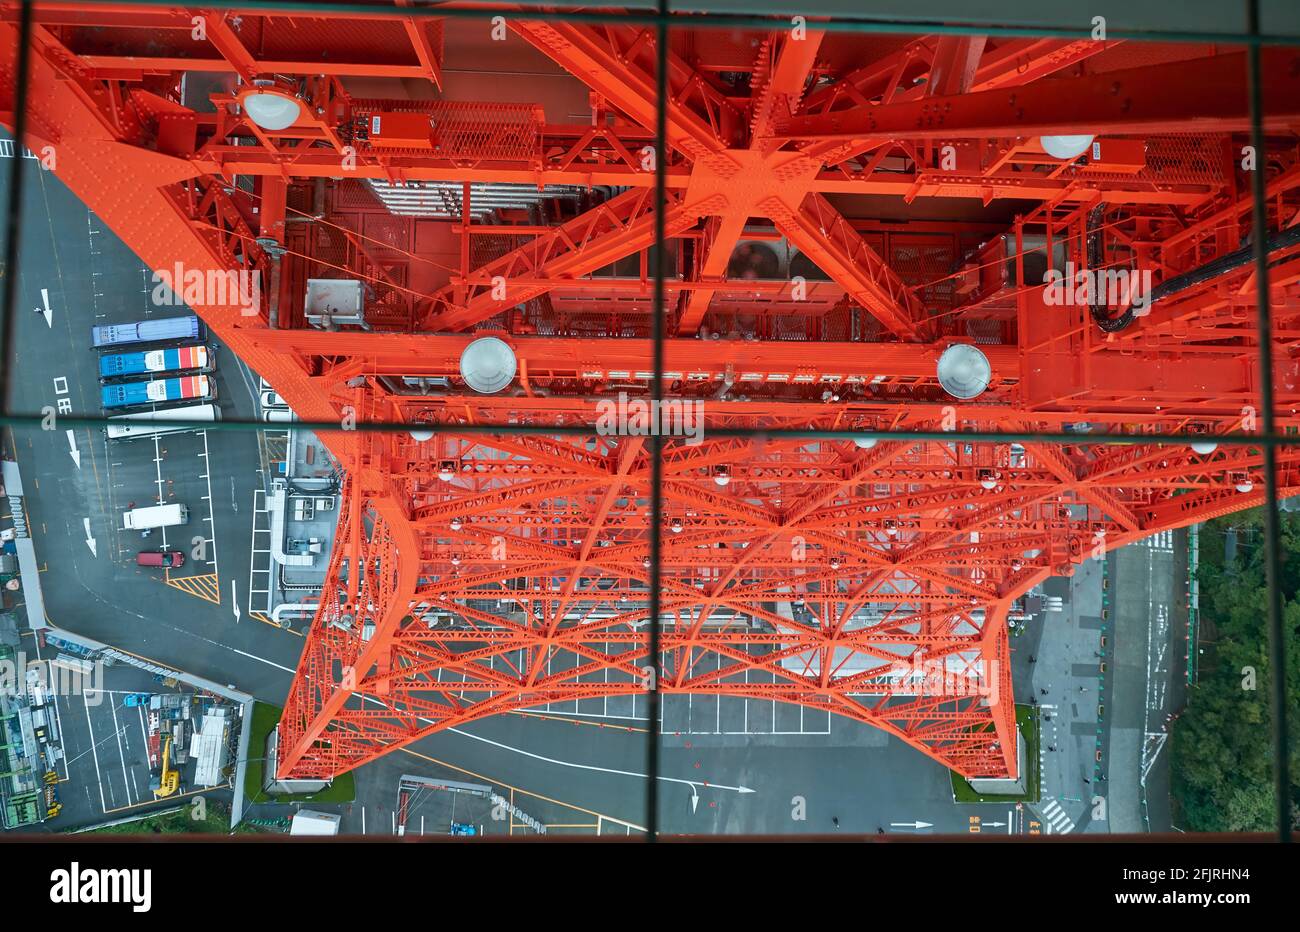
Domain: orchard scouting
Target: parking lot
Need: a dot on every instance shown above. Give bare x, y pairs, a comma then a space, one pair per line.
107, 759
171, 469
689, 714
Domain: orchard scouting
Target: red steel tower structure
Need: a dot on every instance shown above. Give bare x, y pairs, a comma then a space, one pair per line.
841, 209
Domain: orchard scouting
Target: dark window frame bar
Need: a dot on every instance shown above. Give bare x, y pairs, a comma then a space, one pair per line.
662, 19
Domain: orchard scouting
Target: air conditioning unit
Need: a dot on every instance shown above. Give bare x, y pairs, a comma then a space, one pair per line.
803, 267
759, 260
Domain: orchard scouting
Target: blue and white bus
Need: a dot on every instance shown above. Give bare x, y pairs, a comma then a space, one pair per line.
147, 331
131, 394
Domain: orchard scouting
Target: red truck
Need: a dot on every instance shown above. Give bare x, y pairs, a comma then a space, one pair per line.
166, 558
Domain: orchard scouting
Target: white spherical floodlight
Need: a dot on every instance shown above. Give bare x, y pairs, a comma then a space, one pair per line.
1065, 147
865, 444
488, 365
964, 372
270, 105
420, 436
1244, 484
1204, 449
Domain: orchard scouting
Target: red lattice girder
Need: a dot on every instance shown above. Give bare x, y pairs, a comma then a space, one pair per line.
475, 574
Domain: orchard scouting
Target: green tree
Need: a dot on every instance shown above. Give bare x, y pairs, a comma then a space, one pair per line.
1222, 744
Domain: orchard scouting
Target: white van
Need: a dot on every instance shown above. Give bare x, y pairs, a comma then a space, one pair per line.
141, 519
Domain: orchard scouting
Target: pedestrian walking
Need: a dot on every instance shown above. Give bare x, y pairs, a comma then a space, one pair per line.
1051, 747
1087, 781
1032, 658
835, 820
1043, 692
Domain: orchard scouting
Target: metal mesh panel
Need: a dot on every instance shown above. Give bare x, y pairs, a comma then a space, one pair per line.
472, 132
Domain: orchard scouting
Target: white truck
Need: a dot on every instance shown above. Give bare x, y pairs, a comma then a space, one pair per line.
143, 519
308, 822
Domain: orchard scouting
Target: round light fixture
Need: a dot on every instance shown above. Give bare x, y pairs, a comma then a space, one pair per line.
420, 436
964, 371
1066, 147
488, 365
1205, 449
270, 105
456, 524
1244, 484
865, 444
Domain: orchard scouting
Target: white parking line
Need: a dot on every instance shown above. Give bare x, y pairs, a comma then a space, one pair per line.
103, 806
253, 551
121, 753
216, 569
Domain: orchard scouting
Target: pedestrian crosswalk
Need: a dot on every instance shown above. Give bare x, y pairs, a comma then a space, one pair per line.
1058, 823
1162, 541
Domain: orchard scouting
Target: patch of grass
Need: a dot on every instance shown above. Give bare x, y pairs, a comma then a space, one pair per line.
265, 718
1027, 722
180, 821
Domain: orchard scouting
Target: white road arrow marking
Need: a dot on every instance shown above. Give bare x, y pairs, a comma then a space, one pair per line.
90, 541
695, 800
995, 824
45, 300
72, 448
911, 824
234, 600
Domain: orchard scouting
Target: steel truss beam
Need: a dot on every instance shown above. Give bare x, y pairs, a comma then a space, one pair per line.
475, 574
